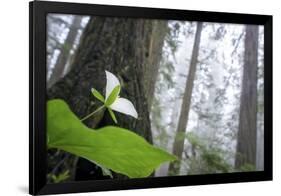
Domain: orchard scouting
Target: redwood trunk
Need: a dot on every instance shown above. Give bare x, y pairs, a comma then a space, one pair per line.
247, 133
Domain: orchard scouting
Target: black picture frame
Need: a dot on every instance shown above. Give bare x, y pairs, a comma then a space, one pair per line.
37, 97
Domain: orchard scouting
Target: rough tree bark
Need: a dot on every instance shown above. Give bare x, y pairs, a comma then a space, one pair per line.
247, 133
178, 145
158, 33
123, 47
59, 67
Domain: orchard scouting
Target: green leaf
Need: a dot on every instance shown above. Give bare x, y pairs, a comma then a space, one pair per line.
61, 177
112, 115
114, 148
98, 95
113, 95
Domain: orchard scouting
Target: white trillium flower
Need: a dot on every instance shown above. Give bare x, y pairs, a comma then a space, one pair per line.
112, 101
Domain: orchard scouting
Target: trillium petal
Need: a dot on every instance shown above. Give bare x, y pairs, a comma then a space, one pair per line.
124, 106
111, 82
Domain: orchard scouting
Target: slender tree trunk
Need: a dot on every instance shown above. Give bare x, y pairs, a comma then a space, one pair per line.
178, 145
60, 65
120, 46
247, 133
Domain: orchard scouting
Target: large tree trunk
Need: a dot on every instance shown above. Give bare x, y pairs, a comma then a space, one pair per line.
121, 46
158, 33
247, 133
178, 145
60, 65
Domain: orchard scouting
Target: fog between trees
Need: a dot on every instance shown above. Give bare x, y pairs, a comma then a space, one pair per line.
197, 86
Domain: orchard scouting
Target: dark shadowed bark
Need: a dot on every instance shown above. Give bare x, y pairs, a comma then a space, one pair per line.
247, 133
178, 145
123, 47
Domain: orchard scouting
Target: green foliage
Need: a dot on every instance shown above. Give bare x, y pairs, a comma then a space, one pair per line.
98, 95
166, 71
194, 140
214, 161
60, 177
209, 160
111, 98
113, 95
172, 37
112, 115
247, 167
113, 148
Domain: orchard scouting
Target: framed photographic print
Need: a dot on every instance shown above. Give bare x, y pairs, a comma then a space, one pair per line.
130, 97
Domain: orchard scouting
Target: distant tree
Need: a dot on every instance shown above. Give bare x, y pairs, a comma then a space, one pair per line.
247, 133
260, 117
59, 67
178, 144
56, 27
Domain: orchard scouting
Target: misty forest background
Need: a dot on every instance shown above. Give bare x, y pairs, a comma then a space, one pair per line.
197, 86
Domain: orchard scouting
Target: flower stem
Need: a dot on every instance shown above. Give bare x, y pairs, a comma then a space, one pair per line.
89, 115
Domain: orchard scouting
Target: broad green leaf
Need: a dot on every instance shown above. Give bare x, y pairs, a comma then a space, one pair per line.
97, 95
113, 95
115, 148
112, 115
